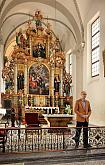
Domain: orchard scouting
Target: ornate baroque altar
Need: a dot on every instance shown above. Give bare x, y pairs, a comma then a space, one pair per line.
35, 75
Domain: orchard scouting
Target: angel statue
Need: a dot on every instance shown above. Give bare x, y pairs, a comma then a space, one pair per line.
38, 17
67, 84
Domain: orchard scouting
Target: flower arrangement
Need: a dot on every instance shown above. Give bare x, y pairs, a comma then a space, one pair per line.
68, 109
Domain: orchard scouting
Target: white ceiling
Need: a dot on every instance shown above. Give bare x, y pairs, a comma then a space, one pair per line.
64, 11
84, 7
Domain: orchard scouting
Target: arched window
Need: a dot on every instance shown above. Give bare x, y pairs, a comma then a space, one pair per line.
95, 47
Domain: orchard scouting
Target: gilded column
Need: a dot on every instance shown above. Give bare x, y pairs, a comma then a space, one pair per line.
52, 84
15, 79
48, 50
23, 108
68, 63
30, 46
25, 78
61, 84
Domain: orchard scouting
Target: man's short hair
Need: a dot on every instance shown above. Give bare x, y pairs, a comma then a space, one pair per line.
83, 93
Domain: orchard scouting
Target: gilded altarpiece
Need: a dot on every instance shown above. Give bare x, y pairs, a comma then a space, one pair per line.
35, 75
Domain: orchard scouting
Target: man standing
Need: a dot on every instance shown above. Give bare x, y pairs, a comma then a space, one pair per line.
83, 112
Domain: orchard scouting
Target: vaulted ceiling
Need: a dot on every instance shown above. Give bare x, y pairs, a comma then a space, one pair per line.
66, 18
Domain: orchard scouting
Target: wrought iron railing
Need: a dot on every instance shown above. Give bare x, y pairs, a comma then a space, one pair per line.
49, 139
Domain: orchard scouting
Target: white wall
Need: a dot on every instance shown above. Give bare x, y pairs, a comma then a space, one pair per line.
95, 86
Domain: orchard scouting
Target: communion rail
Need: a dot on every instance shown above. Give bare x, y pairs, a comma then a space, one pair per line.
49, 139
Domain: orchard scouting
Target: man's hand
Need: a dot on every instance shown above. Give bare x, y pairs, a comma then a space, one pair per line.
84, 116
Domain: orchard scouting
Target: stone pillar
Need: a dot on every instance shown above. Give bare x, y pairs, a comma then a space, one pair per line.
74, 78
77, 75
15, 79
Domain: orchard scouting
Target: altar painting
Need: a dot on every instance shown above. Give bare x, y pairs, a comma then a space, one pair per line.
39, 50
38, 80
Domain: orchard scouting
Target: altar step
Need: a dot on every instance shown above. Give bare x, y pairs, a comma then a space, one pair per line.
42, 120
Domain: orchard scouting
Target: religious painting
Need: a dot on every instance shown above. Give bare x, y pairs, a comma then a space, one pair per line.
39, 50
38, 80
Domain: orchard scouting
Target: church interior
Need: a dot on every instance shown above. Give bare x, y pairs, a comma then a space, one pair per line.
50, 51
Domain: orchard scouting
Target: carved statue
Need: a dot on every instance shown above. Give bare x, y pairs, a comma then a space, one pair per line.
20, 81
48, 30
67, 84
56, 83
20, 39
8, 82
39, 18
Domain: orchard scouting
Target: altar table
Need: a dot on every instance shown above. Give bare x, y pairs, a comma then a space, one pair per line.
58, 120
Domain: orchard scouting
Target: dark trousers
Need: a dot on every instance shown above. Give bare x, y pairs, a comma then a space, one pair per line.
85, 132
13, 123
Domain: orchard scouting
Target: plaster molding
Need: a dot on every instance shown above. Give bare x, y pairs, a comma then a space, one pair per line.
1, 38
2, 5
80, 19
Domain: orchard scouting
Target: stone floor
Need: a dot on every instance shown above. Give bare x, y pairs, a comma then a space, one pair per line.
79, 157
102, 162
98, 162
